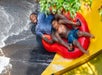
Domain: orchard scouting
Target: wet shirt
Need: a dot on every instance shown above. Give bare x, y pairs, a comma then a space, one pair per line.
44, 25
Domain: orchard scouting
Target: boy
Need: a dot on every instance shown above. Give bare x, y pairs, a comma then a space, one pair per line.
61, 31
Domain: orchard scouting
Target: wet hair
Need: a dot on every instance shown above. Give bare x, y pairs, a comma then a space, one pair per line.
34, 13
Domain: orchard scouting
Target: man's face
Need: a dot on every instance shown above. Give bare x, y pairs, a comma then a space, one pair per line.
55, 24
33, 18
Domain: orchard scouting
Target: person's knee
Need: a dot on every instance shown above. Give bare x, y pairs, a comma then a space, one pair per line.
75, 42
54, 38
80, 33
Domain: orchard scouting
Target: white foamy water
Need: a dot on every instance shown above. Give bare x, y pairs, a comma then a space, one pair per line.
14, 20
4, 64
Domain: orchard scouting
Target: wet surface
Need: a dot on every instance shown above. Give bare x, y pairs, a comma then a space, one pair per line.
18, 42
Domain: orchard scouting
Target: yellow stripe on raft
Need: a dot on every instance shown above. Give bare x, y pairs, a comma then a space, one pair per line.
95, 26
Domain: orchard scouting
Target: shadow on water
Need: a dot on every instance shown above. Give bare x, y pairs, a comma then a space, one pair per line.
39, 56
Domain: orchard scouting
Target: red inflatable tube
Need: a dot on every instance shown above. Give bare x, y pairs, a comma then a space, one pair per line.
63, 51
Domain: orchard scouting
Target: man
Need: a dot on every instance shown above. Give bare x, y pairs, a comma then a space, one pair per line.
43, 25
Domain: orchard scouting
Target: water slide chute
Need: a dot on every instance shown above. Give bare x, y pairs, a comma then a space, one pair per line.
60, 65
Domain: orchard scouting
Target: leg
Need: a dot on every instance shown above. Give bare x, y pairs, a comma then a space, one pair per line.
86, 34
76, 43
59, 40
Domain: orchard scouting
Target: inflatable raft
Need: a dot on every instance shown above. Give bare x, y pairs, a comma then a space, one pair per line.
63, 51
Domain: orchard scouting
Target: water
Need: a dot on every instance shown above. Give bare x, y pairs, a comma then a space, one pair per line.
14, 19
17, 41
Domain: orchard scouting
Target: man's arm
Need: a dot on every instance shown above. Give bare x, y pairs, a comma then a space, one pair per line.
47, 40
66, 22
39, 33
63, 20
59, 16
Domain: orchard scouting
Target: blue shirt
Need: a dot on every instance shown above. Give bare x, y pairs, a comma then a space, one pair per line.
44, 25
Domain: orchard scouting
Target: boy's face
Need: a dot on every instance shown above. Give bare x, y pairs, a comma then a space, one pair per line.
55, 24
33, 18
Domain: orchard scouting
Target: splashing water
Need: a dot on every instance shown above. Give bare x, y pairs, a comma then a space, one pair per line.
14, 20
